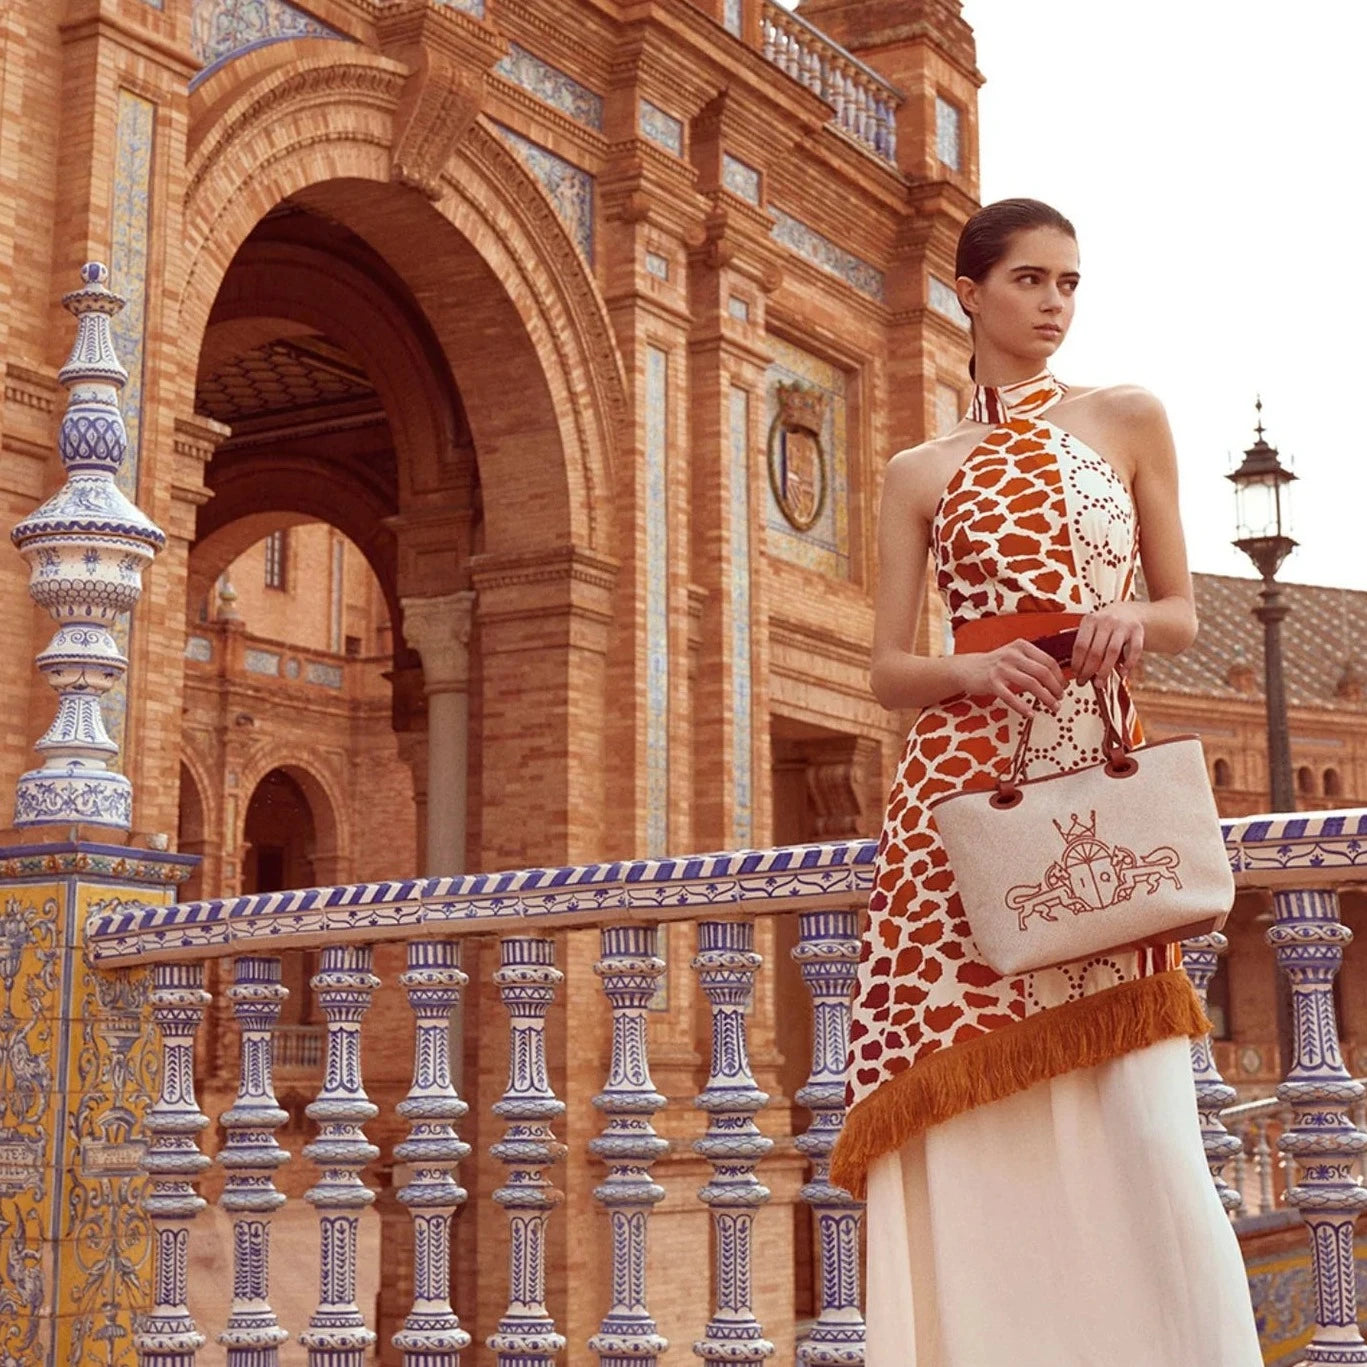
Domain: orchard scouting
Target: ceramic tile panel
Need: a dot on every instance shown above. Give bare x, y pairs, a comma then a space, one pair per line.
475, 7
742, 701
809, 243
740, 178
825, 546
661, 128
569, 188
223, 29
738, 308
657, 265
554, 86
731, 17
657, 599
1296, 849
948, 133
945, 301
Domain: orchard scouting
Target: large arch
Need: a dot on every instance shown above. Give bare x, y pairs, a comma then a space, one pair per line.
489, 260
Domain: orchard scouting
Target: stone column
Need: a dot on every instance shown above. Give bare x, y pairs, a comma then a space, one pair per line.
439, 630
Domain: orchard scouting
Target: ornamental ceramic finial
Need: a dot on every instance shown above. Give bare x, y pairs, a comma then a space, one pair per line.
86, 548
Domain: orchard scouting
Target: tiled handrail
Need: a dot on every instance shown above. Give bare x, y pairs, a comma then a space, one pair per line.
865, 104
1299, 857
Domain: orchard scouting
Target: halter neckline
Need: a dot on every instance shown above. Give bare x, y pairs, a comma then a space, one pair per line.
996, 403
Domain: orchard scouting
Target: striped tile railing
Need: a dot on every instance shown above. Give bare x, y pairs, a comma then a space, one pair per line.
1301, 859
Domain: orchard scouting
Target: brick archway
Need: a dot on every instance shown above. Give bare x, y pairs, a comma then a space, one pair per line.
503, 289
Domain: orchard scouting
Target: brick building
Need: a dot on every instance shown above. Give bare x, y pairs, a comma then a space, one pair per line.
513, 380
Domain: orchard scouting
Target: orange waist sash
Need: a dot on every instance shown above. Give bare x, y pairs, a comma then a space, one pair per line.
989, 633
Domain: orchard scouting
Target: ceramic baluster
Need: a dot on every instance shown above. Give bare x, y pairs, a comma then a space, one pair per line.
1309, 936
1200, 958
726, 963
630, 970
167, 1336
431, 1335
527, 979
337, 1335
827, 953
249, 1158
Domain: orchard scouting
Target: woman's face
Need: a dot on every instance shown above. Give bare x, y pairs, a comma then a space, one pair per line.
1024, 305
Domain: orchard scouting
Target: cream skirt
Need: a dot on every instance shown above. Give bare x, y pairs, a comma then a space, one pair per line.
1073, 1224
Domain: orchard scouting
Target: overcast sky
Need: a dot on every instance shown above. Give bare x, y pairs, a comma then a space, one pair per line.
1209, 153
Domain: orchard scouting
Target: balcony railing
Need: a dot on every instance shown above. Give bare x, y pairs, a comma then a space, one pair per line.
865, 104
1299, 858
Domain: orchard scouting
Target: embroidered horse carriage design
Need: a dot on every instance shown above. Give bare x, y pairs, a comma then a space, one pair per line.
1091, 875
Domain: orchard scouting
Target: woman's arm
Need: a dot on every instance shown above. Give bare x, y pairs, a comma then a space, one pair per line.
898, 676
1117, 635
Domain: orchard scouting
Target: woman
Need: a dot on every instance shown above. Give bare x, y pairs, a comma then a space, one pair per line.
1029, 1146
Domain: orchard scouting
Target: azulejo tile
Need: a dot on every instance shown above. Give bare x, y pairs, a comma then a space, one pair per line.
554, 86
569, 187
661, 127
821, 251
222, 29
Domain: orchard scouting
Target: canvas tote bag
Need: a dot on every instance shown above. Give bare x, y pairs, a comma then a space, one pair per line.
1070, 865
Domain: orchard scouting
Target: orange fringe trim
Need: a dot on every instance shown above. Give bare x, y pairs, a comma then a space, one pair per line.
1052, 1042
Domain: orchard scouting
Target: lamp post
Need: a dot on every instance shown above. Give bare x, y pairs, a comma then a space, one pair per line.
1262, 487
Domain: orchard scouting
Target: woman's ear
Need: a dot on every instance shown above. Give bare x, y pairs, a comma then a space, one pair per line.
967, 290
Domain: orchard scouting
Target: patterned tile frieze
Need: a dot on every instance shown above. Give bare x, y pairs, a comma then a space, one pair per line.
569, 187
661, 128
791, 877
554, 86
223, 29
807, 242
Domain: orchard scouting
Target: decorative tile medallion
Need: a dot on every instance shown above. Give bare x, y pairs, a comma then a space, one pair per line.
823, 252
945, 301
662, 128
570, 188
740, 178
554, 86
742, 737
806, 418
657, 601
223, 29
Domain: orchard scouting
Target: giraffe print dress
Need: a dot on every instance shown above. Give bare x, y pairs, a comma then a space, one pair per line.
1029, 1145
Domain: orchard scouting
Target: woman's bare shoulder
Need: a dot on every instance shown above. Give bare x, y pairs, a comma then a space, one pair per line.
1123, 402
918, 473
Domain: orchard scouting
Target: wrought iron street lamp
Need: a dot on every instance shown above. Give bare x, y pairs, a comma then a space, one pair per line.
1262, 489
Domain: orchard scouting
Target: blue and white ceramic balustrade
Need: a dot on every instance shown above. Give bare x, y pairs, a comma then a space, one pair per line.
726, 964
337, 1335
631, 971
167, 1336
431, 1335
827, 953
249, 1158
527, 978
1300, 859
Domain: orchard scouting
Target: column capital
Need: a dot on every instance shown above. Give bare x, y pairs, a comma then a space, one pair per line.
439, 630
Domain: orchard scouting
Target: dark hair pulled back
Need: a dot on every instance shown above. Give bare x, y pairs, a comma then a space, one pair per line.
987, 236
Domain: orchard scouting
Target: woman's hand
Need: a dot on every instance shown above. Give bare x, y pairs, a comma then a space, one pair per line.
1014, 674
1111, 638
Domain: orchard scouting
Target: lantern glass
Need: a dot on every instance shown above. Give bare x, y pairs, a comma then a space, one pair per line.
1259, 504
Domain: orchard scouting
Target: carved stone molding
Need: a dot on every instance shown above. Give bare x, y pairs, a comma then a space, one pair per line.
449, 54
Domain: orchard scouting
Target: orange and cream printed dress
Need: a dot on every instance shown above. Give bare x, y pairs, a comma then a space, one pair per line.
1026, 1143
